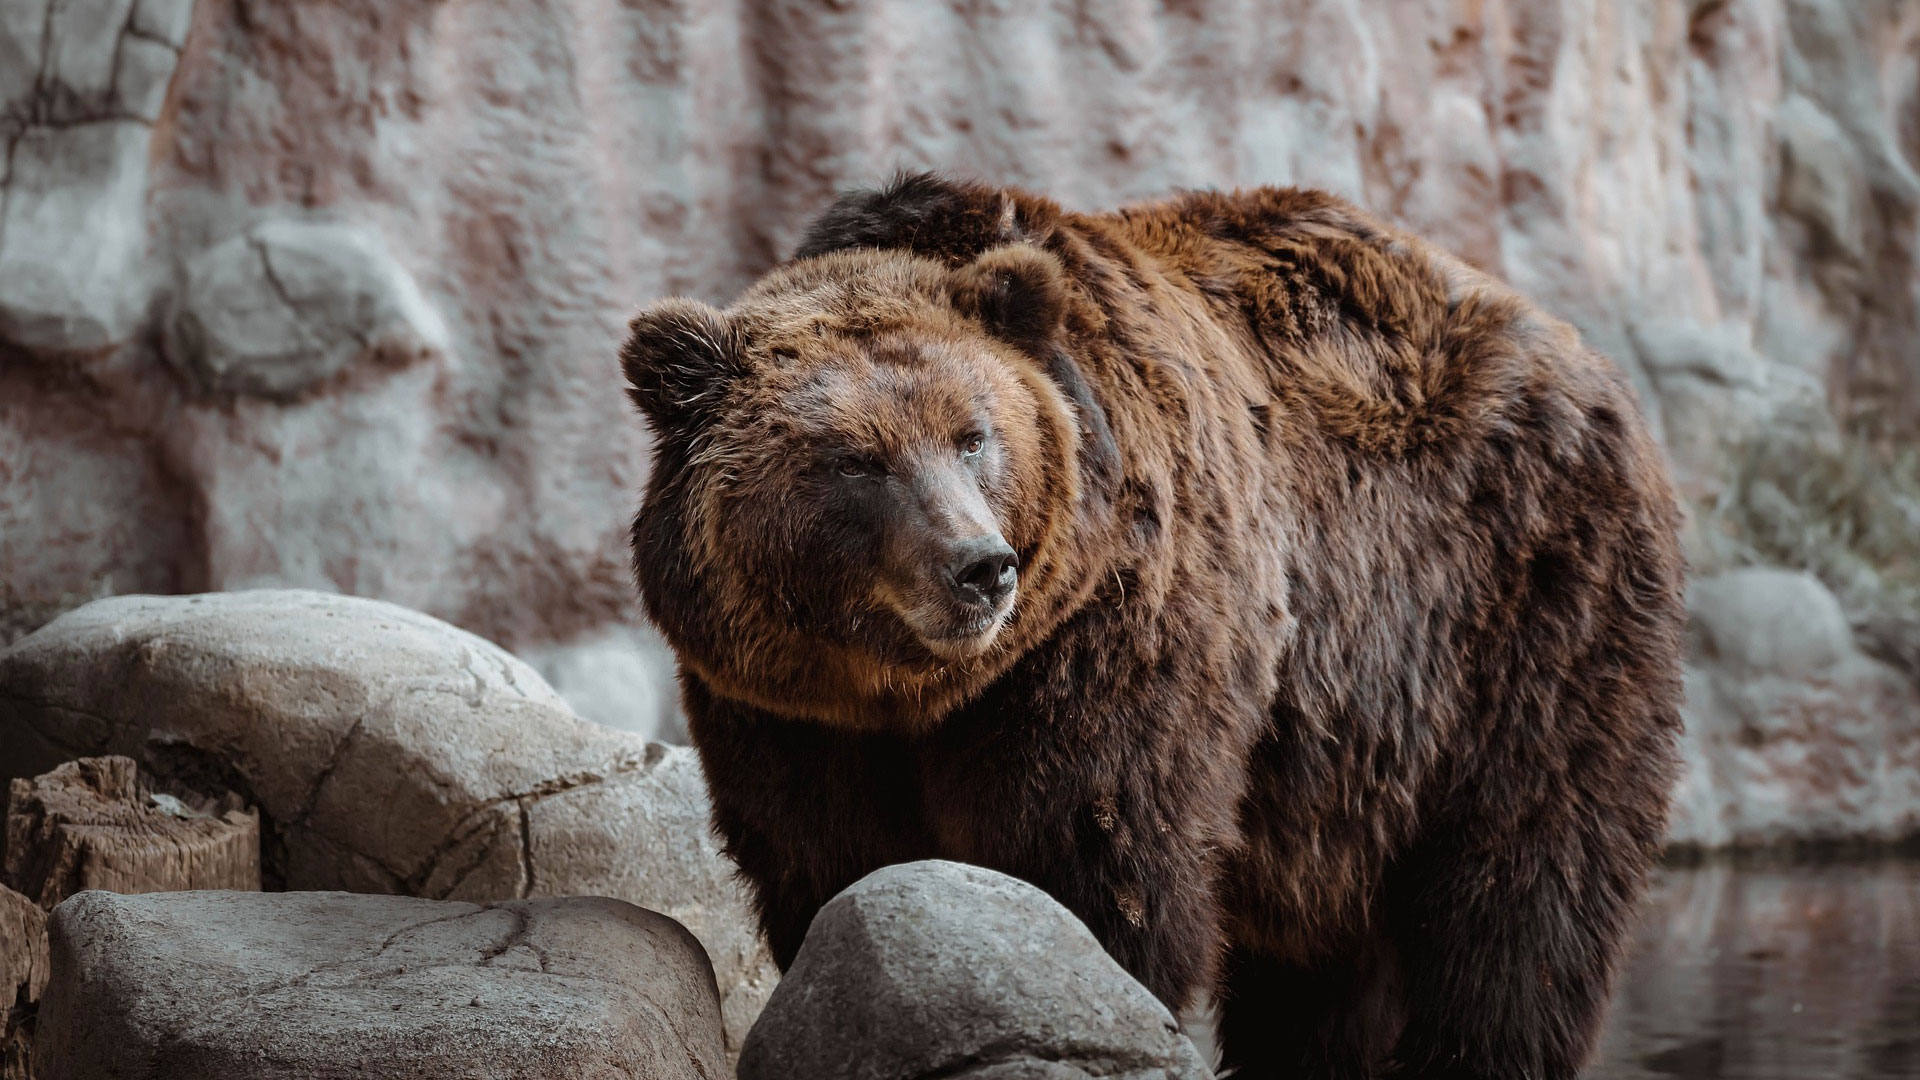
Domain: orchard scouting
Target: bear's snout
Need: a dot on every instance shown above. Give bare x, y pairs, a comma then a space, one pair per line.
961, 590
949, 573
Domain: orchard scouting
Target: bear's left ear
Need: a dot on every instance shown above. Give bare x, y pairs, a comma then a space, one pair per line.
680, 357
1019, 291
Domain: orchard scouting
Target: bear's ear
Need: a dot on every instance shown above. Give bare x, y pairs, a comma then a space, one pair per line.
1019, 291
680, 357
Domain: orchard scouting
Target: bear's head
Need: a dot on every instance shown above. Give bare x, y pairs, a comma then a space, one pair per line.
863, 482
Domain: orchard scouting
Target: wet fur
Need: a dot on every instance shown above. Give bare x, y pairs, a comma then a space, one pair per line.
1345, 683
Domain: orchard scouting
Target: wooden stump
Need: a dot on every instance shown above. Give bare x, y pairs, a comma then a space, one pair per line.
23, 975
23, 948
88, 825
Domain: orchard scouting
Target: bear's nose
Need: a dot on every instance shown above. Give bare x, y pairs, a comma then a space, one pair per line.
982, 571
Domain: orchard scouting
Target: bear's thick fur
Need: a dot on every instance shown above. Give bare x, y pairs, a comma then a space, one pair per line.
1341, 674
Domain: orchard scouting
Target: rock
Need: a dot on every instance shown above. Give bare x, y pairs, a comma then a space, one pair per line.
163, 22
255, 986
84, 82
88, 824
23, 949
1821, 179
1770, 620
288, 305
72, 272
939, 969
623, 677
22, 30
1794, 737
387, 752
386, 749
1710, 390
645, 837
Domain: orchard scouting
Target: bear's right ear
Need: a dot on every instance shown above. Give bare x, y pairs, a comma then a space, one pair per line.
1019, 291
680, 356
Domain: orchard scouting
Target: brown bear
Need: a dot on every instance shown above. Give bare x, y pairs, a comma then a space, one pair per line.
1297, 605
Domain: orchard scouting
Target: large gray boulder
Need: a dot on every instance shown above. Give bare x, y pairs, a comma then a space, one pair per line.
390, 750
251, 986
387, 752
939, 969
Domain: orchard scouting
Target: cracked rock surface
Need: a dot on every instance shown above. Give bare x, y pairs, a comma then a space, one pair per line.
251, 986
938, 969
288, 305
387, 752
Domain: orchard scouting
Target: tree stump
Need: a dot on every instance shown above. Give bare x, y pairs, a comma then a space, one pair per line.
23, 948
88, 824
23, 975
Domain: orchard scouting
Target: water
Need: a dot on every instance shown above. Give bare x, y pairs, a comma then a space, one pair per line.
1795, 972
1771, 972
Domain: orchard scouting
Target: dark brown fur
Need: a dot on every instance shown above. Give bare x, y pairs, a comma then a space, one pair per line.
1343, 676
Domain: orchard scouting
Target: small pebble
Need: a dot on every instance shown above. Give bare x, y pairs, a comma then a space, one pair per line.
475, 1001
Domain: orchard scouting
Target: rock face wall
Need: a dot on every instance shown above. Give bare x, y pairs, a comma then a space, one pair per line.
324, 293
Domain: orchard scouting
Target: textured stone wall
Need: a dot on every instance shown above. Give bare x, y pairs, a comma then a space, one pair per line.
323, 293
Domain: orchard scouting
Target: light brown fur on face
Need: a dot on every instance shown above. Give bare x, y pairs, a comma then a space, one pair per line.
879, 359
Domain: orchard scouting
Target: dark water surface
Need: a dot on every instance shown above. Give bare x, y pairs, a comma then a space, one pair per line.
1790, 972
1796, 971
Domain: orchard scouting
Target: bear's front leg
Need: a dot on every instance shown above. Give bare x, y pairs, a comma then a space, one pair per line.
804, 810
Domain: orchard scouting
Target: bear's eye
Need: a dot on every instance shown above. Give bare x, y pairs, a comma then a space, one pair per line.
858, 465
972, 442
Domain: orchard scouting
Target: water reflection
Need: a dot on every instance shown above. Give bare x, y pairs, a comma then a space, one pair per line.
1772, 973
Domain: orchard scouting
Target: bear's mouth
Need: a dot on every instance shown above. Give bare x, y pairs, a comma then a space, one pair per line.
956, 632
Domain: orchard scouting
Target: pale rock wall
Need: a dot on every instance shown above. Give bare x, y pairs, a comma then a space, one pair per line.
1721, 193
